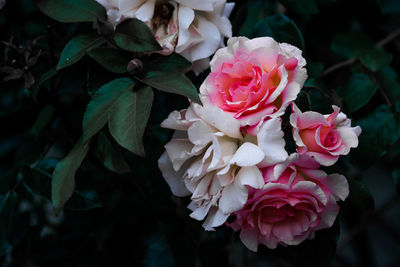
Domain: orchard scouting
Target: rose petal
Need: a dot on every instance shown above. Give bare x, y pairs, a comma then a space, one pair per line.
146, 11
173, 178
248, 154
270, 140
234, 196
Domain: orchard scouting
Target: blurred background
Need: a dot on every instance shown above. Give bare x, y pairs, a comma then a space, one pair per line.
352, 48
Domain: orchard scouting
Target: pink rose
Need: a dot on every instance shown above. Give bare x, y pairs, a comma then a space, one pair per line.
209, 159
254, 79
323, 137
296, 200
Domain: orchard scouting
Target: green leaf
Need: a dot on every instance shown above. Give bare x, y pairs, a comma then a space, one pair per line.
356, 44
44, 117
73, 10
110, 155
63, 183
38, 181
128, 119
43, 78
358, 91
375, 58
96, 114
284, 30
173, 62
96, 77
389, 80
351, 44
303, 7
380, 132
256, 11
111, 59
171, 82
135, 36
76, 48
360, 196
314, 70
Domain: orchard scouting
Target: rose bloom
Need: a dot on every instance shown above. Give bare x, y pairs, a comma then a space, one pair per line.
209, 159
323, 137
254, 79
296, 200
194, 29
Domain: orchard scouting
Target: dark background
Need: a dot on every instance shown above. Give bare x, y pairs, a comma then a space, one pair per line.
132, 219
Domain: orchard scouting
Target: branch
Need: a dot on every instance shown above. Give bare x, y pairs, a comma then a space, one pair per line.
350, 61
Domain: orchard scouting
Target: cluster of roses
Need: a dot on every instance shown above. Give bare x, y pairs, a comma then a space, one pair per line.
229, 153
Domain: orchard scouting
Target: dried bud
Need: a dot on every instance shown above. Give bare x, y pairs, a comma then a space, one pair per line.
135, 66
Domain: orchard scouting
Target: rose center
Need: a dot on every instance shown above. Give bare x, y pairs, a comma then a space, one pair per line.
330, 140
277, 214
162, 14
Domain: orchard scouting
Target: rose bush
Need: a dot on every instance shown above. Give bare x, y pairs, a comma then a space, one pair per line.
324, 137
254, 79
209, 159
296, 200
194, 29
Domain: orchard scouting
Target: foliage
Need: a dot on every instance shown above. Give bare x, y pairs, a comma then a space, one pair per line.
81, 107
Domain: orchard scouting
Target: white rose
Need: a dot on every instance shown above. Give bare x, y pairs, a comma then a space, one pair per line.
194, 29
209, 159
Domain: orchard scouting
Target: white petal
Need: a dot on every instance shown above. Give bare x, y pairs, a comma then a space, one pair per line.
292, 51
228, 9
219, 119
270, 140
203, 5
248, 154
215, 218
349, 136
126, 6
338, 185
200, 65
234, 196
179, 151
146, 11
211, 40
173, 178
200, 133
199, 212
223, 150
265, 42
185, 17
176, 121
